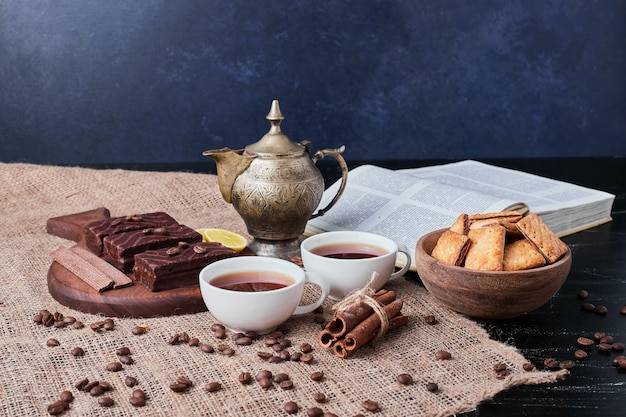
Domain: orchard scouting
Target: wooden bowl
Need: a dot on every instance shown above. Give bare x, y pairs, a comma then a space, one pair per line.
488, 294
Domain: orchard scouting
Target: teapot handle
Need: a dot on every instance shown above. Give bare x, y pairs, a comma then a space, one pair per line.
334, 153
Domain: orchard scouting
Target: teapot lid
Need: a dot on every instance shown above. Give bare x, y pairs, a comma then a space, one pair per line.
275, 141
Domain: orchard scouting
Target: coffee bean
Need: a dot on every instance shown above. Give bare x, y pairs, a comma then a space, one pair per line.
317, 376
96, 391
264, 355
431, 320
567, 364
585, 342
280, 377
178, 387
58, 407
601, 310
404, 379
217, 326
243, 341
77, 351
275, 359
306, 348
370, 405
194, 341
244, 378
213, 386
173, 251
604, 347
622, 310
580, 354
295, 357
286, 384
432, 387
499, 367
319, 397
607, 339
276, 334
79, 385
183, 337
270, 341
503, 373
206, 348
284, 355
66, 396
137, 401
185, 381
621, 363
291, 407
126, 360
174, 339
122, 351
139, 393
617, 359
265, 382
306, 358
105, 386
528, 367
582, 294
138, 330
617, 347
52, 342
314, 412
587, 307
106, 401
263, 374
550, 363
130, 381
78, 325
220, 334
114, 367
108, 324
598, 335
87, 387
442, 354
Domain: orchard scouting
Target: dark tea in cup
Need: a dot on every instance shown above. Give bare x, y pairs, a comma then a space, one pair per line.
253, 281
349, 251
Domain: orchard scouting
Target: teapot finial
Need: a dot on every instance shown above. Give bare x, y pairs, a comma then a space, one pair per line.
275, 117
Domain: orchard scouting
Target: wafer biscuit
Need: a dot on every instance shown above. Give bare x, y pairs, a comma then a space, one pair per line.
540, 235
74, 263
510, 216
511, 229
521, 254
487, 249
451, 248
461, 224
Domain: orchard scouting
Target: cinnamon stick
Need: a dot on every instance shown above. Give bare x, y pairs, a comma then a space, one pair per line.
341, 350
326, 339
365, 331
344, 321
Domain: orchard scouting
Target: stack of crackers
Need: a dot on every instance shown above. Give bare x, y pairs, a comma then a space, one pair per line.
500, 241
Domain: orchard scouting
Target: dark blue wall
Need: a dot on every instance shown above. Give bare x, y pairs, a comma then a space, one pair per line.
160, 81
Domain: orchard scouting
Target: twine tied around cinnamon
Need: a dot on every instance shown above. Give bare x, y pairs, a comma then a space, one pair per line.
365, 295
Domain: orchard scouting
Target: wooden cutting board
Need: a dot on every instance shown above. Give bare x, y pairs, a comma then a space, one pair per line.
133, 301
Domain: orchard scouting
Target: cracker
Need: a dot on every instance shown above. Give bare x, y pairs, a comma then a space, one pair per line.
510, 216
461, 224
540, 235
487, 249
451, 248
511, 229
521, 254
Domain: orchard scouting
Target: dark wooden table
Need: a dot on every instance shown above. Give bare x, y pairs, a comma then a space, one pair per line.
595, 387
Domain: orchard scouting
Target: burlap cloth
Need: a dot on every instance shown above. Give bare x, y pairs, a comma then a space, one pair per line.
33, 374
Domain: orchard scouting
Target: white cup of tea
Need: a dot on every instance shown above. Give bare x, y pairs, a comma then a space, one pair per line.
257, 293
349, 259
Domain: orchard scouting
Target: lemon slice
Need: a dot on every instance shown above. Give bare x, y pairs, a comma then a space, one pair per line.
227, 238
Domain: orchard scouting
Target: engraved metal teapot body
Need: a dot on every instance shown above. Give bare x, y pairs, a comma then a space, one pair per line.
274, 184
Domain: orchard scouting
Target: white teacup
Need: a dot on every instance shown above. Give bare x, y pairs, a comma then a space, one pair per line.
256, 293
348, 259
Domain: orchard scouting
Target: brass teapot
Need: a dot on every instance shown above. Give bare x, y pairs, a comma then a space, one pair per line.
275, 187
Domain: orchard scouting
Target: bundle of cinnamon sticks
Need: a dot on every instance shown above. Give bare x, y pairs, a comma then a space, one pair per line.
358, 321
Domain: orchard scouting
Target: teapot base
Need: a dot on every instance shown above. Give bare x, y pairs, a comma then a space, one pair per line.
283, 249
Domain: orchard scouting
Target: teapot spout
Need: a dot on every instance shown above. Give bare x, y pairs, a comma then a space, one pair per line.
230, 164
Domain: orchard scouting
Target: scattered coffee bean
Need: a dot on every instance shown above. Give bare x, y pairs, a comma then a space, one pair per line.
314, 412
430, 319
263, 374
319, 397
213, 386
174, 339
227, 352
58, 407
503, 373
52, 342
122, 351
404, 379
580, 354
432, 387
220, 334
317, 376
77, 325
306, 358
206, 348
87, 387
284, 355
137, 401
621, 363
617, 359
264, 355
243, 341
275, 359
601, 310
291, 407
138, 330
194, 341
306, 348
96, 391
604, 347
280, 377
77, 351
106, 386
617, 347
499, 367
567, 364
245, 378
585, 342
178, 387
114, 367
442, 354
528, 367
79, 385
66, 396
130, 381
295, 357
265, 382
551, 363
139, 393
582, 294
598, 335
587, 307
286, 384
370, 405
276, 334
106, 401
607, 339
126, 360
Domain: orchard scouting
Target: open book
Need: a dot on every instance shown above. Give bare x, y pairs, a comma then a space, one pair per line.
406, 204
